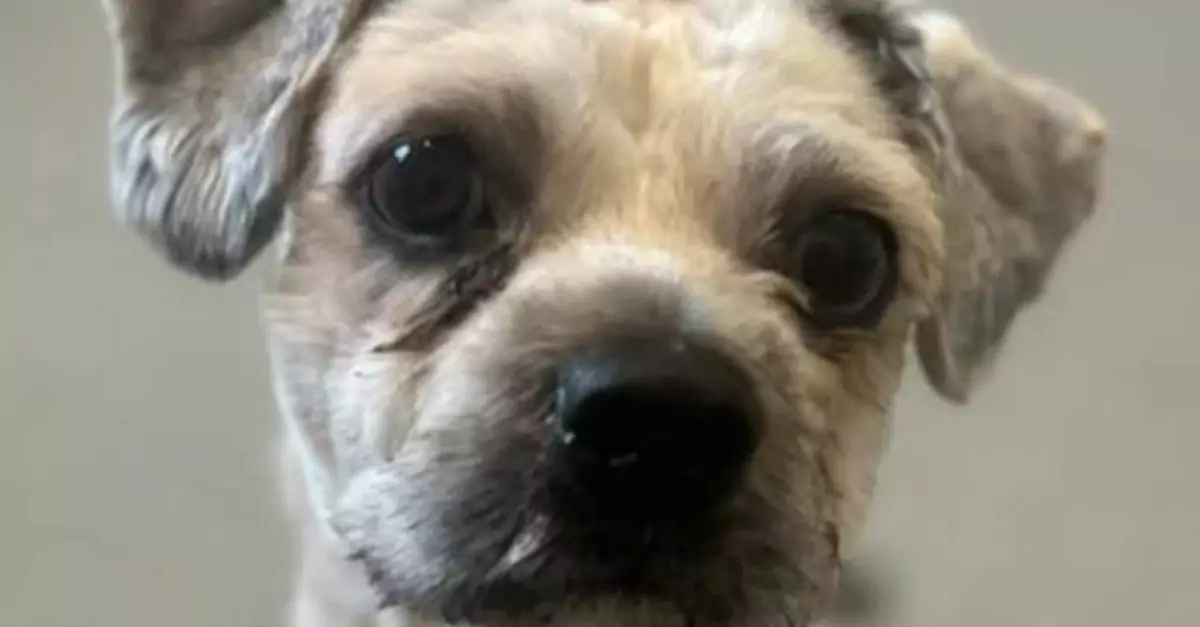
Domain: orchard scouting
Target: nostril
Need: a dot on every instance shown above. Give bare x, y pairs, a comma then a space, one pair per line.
655, 425
624, 424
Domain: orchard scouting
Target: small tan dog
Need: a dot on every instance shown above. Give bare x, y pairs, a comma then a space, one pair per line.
591, 313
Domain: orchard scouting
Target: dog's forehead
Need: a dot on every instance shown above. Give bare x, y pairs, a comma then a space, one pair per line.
738, 66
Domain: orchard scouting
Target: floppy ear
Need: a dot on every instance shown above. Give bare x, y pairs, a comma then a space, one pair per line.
1015, 160
1023, 176
211, 105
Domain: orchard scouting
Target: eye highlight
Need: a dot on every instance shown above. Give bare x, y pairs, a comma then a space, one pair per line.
845, 260
423, 189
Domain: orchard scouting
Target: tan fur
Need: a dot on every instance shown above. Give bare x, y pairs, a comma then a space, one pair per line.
645, 152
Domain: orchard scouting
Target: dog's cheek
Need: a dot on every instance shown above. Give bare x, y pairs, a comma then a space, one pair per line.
860, 420
335, 307
344, 404
372, 400
378, 516
830, 408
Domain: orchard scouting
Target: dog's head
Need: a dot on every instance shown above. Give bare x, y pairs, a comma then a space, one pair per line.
594, 311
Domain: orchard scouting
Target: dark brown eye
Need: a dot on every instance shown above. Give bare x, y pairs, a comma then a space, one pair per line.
846, 263
425, 188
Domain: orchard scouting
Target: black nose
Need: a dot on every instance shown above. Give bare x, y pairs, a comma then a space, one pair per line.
654, 428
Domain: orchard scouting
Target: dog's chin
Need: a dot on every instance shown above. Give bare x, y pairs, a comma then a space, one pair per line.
629, 599
613, 611
656, 577
601, 611
465, 554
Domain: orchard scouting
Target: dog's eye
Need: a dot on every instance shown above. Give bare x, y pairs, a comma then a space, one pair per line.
429, 187
846, 262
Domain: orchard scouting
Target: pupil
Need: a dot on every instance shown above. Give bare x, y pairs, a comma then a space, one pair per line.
840, 264
428, 186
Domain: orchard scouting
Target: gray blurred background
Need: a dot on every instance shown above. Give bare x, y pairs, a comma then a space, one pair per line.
136, 423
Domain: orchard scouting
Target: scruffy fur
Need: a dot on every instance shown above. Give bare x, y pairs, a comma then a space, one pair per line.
646, 157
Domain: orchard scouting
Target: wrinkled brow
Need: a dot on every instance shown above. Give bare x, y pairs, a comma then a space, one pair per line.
503, 121
806, 162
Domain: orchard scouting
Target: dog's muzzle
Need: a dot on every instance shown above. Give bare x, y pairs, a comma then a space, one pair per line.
652, 429
596, 452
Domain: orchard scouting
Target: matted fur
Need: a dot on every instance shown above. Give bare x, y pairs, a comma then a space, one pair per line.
646, 161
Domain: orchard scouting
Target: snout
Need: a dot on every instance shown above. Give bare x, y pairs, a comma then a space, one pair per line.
612, 431
653, 428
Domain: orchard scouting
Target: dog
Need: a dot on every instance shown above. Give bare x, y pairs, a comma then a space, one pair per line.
592, 312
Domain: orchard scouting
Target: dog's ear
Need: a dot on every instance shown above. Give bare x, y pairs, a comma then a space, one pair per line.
1015, 161
212, 98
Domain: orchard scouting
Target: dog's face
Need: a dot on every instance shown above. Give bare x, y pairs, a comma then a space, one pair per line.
618, 294
593, 311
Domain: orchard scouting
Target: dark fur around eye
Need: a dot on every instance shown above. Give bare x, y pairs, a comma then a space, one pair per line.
472, 281
845, 261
